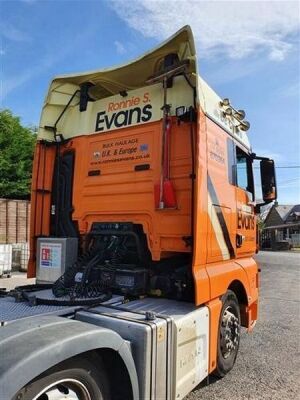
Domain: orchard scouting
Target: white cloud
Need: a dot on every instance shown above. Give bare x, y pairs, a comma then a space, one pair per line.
12, 82
231, 71
10, 32
232, 28
120, 47
53, 57
291, 90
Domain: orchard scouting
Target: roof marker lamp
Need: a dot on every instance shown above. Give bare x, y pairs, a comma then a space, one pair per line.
244, 126
225, 103
239, 115
228, 111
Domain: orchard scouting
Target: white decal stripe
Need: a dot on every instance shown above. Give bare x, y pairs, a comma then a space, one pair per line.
217, 229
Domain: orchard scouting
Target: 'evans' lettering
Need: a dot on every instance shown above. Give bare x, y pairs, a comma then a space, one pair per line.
245, 221
123, 118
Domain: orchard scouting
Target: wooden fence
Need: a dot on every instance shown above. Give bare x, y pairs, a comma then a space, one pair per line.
14, 221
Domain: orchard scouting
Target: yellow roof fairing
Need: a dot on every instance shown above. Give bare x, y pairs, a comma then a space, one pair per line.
132, 78
109, 82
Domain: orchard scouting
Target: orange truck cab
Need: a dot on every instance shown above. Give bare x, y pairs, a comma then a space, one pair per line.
143, 192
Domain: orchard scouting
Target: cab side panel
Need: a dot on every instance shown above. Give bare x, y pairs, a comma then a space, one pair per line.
221, 197
218, 265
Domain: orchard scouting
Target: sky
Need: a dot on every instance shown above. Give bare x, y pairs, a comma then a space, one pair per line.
248, 51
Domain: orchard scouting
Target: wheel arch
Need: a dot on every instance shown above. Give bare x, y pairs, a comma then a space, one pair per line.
47, 341
117, 374
239, 290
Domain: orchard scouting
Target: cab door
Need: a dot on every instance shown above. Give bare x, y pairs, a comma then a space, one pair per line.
245, 216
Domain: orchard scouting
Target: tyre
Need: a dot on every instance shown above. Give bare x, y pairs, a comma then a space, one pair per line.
75, 379
229, 334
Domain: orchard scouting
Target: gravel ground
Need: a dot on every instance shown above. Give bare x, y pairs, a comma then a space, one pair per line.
268, 363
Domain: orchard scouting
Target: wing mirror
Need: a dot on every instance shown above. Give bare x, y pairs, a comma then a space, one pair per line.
268, 180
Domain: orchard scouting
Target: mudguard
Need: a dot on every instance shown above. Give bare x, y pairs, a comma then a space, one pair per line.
32, 346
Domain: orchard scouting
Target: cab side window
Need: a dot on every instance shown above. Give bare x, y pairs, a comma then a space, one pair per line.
244, 175
241, 171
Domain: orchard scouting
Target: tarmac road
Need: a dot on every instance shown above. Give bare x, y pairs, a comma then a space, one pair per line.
268, 363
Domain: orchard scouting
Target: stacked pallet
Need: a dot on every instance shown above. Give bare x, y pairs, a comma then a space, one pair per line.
14, 221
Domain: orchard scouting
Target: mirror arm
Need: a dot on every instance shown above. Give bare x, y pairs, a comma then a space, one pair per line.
257, 207
255, 157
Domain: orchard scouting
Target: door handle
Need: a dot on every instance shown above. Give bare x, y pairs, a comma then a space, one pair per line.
239, 240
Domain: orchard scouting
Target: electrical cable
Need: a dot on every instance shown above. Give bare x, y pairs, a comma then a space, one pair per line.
76, 282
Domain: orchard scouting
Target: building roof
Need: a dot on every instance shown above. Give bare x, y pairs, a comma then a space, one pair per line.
284, 211
282, 215
293, 214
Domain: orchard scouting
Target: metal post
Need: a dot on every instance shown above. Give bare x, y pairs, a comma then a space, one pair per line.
6, 221
26, 222
17, 221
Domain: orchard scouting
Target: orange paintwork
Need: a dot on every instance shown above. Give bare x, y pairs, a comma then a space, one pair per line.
43, 167
120, 193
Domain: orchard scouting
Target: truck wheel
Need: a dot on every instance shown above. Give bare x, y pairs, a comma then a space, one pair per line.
229, 334
76, 379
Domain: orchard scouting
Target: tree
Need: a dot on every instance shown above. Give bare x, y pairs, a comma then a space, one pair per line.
16, 155
260, 223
